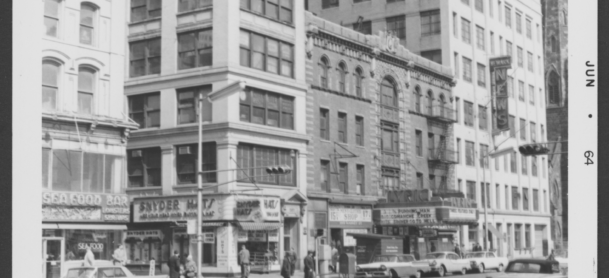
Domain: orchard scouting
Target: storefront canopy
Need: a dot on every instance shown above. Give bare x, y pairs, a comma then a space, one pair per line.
252, 226
92, 227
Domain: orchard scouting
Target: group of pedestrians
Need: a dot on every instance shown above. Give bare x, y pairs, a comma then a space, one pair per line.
179, 270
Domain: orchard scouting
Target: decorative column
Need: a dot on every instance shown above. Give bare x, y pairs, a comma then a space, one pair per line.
167, 180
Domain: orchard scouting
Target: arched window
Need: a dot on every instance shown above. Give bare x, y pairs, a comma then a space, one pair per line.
342, 72
358, 82
51, 17
389, 94
429, 103
323, 72
50, 85
554, 44
417, 99
441, 105
87, 23
86, 89
553, 88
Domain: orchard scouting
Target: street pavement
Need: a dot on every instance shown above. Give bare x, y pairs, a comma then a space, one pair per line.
300, 274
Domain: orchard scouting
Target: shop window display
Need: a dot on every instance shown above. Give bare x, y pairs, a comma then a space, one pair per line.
187, 245
263, 247
102, 242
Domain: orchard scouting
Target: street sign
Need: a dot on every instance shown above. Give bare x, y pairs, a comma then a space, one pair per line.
191, 227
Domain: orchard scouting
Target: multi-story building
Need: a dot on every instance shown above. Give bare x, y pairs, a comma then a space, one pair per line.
370, 103
465, 35
555, 38
84, 130
247, 62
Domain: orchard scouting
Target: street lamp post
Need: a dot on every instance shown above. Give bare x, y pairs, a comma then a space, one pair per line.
199, 188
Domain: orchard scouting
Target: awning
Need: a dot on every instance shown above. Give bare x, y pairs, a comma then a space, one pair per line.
50, 226
494, 231
251, 226
212, 224
91, 227
374, 236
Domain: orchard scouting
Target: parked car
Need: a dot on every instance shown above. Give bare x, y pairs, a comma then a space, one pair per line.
100, 269
533, 268
392, 266
443, 262
480, 261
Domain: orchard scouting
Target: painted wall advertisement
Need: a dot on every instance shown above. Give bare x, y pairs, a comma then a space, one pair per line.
174, 208
499, 67
94, 207
258, 209
406, 216
350, 215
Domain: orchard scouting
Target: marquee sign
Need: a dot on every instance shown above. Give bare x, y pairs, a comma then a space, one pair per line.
406, 216
258, 209
176, 208
77, 206
349, 214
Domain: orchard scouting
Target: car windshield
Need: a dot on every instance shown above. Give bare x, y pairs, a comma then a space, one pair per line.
79, 272
478, 255
523, 267
435, 256
382, 259
405, 258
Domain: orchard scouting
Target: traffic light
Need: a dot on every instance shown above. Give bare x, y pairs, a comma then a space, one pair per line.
278, 170
533, 149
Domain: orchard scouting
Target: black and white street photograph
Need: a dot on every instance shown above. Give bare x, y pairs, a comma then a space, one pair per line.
303, 138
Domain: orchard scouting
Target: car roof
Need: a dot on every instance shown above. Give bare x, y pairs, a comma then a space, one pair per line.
538, 261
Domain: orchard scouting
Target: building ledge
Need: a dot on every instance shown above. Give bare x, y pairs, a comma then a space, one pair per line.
90, 119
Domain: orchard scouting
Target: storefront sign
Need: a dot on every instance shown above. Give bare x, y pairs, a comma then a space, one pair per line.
350, 215
242, 236
441, 227
414, 195
209, 237
258, 236
95, 246
406, 216
428, 233
498, 67
291, 210
174, 208
258, 209
145, 234
274, 235
66, 206
462, 213
391, 246
349, 240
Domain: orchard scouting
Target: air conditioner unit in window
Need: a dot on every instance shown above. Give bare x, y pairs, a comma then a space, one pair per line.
136, 153
184, 150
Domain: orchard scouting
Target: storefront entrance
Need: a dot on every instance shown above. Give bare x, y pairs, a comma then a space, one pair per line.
52, 250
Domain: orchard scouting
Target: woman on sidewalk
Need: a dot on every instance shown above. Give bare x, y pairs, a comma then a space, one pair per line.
286, 267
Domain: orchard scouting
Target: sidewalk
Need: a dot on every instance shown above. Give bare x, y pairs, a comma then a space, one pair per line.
297, 274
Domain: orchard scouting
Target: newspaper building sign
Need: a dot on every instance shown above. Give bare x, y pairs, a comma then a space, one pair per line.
499, 67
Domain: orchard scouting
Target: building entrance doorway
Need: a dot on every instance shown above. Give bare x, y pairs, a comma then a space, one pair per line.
53, 250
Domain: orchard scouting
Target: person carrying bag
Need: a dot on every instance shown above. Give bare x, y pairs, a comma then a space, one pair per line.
190, 269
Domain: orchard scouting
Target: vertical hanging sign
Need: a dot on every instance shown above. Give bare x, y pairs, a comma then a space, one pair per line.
499, 67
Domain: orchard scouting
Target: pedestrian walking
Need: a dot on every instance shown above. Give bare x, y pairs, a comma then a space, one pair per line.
119, 255
335, 256
433, 247
286, 267
244, 261
89, 257
152, 267
309, 265
293, 260
174, 265
190, 269
458, 250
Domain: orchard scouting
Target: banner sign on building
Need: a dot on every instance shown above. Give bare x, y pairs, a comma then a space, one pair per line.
499, 67
406, 216
94, 207
174, 208
258, 209
462, 214
350, 214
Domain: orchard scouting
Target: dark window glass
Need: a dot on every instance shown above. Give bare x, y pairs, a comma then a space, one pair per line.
263, 53
186, 163
188, 106
324, 124
390, 178
145, 57
342, 127
144, 167
145, 9
51, 17
324, 172
430, 23
360, 180
397, 26
388, 93
343, 177
329, 4
359, 131
195, 49
255, 156
471, 190
266, 108
86, 89
358, 82
469, 113
342, 74
469, 154
145, 110
364, 27
389, 137
191, 5
433, 55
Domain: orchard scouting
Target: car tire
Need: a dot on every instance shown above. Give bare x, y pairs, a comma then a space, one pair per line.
481, 269
418, 275
500, 268
463, 271
442, 271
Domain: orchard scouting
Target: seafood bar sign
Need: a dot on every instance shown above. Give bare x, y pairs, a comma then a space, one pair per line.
66, 206
173, 209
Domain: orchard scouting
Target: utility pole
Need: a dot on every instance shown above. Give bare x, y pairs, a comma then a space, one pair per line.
200, 188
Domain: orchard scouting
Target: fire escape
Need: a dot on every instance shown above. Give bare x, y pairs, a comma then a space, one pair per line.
442, 156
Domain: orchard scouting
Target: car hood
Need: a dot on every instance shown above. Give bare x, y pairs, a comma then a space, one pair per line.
386, 264
531, 275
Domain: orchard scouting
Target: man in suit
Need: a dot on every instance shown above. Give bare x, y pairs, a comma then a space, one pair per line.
309, 265
244, 261
174, 265
293, 259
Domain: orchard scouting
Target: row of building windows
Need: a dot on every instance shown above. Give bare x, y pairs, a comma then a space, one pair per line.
515, 198
396, 25
324, 78
334, 177
479, 6
279, 10
53, 12
342, 127
51, 82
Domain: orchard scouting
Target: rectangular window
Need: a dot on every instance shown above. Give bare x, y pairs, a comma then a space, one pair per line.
325, 4
258, 157
343, 177
508, 48
533, 127
465, 31
530, 62
481, 75
500, 45
469, 154
507, 197
482, 118
520, 57
390, 177
459, 150
496, 162
523, 129
430, 144
455, 25
480, 37
145, 57
419, 142
518, 236
188, 107
365, 27
515, 197
145, 9
397, 26
265, 53
456, 65
524, 165
520, 90
192, 5
390, 137
433, 55
505, 163
513, 162
51, 17
543, 134
527, 235
543, 167
492, 39
534, 166
324, 171
479, 5
186, 163
525, 199
497, 196
484, 155
432, 182
273, 9
430, 23
360, 180
443, 183
266, 108
324, 124
512, 124
528, 26
469, 113
531, 95
539, 65
458, 109
144, 167
471, 190
485, 195
467, 69
518, 23
195, 49
76, 171
510, 86
342, 127
544, 208
508, 16
359, 130
145, 110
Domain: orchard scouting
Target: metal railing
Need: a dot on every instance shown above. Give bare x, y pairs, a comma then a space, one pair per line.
442, 113
442, 155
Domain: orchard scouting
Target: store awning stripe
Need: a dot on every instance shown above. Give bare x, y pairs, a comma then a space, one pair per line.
247, 226
92, 227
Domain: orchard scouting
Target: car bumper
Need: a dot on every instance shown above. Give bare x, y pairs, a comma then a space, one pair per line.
373, 275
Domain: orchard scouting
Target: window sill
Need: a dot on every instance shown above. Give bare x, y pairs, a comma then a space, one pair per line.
147, 188
144, 21
195, 10
195, 69
271, 19
325, 141
152, 76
